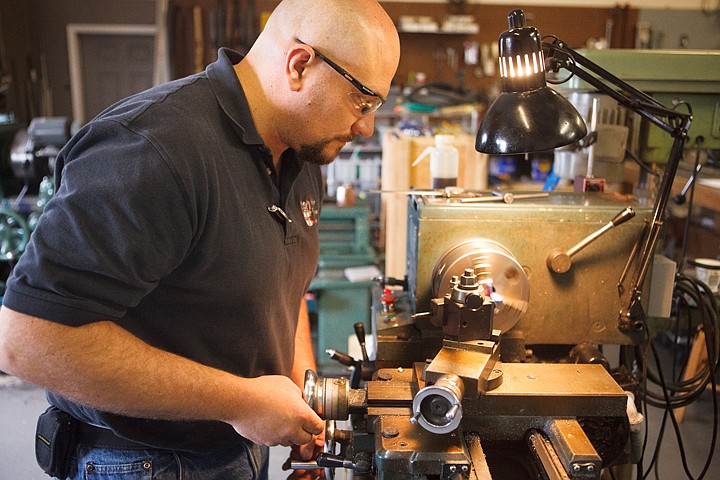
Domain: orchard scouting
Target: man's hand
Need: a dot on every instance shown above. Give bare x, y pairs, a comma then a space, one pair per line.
275, 413
304, 453
129, 377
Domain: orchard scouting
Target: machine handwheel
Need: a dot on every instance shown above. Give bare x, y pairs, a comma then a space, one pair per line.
14, 234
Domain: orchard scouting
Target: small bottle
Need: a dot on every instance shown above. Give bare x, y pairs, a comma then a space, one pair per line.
345, 195
444, 162
388, 304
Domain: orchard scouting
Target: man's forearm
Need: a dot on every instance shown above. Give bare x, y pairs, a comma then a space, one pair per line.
103, 366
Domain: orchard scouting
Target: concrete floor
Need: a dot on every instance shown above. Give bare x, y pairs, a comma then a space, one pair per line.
21, 403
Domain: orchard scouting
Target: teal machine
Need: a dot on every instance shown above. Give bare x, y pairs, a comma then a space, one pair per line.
341, 303
32, 164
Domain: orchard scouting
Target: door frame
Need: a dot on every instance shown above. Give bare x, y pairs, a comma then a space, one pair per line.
74, 32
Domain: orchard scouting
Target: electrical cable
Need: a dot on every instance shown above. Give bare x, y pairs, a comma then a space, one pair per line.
641, 353
688, 294
691, 293
678, 436
687, 391
656, 451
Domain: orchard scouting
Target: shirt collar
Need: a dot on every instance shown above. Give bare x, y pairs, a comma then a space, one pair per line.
230, 95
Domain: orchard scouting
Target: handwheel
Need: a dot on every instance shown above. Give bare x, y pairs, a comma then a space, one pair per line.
14, 234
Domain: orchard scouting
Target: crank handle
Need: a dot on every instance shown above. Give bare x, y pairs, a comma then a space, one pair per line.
559, 261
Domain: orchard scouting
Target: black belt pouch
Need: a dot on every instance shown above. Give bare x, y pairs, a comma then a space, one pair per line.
54, 442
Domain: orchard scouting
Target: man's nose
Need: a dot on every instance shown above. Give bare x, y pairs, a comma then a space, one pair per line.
364, 126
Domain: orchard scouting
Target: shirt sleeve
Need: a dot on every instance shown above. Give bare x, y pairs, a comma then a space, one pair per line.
118, 222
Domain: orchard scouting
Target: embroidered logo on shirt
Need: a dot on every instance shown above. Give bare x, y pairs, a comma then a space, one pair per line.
310, 211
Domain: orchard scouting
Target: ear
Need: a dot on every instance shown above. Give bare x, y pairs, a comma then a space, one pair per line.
296, 61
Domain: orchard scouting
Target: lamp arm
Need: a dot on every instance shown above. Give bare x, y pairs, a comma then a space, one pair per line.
669, 120
632, 317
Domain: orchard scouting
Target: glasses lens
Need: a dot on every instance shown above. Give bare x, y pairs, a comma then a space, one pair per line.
364, 104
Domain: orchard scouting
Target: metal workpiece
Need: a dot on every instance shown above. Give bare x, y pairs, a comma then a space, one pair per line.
438, 407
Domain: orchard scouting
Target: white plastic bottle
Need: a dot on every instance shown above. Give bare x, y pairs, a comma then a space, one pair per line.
444, 161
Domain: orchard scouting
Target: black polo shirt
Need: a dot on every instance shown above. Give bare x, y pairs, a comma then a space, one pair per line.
165, 222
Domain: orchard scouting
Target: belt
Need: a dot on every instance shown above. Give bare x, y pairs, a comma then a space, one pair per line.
104, 438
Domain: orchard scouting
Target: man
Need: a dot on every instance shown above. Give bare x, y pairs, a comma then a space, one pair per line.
159, 300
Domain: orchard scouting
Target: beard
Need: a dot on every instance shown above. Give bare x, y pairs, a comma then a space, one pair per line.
317, 153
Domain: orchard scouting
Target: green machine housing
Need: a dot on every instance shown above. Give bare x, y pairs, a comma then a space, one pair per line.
344, 242
507, 246
692, 76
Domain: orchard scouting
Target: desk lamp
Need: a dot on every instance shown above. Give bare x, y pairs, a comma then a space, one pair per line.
529, 116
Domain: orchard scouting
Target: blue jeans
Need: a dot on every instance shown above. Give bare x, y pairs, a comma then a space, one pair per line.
244, 462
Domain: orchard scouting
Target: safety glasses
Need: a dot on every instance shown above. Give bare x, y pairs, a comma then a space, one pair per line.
365, 103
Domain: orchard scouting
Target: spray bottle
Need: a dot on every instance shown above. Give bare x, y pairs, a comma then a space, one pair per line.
444, 159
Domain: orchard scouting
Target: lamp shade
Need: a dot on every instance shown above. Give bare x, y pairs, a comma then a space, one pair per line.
524, 122
528, 116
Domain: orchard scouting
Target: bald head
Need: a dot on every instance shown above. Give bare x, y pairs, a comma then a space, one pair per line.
296, 98
358, 34
332, 23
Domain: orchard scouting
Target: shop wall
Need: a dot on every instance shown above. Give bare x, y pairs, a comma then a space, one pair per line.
34, 30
